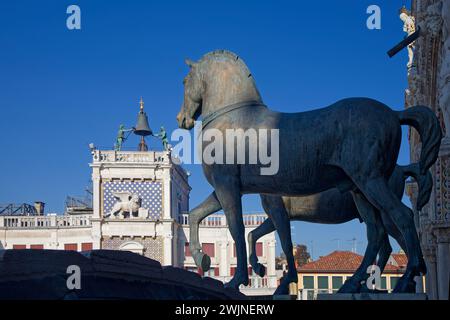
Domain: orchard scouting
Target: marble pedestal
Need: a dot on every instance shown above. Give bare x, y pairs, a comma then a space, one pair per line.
372, 296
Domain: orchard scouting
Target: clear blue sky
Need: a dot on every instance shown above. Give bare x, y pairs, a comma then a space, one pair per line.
62, 89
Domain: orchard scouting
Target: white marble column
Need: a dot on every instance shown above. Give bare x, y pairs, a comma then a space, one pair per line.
271, 272
224, 265
167, 244
167, 194
96, 196
271, 258
443, 263
430, 278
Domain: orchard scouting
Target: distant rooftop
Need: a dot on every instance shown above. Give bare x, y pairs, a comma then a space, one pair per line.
348, 262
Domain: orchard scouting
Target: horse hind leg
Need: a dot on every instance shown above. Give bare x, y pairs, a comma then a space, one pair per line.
276, 210
384, 253
378, 193
375, 235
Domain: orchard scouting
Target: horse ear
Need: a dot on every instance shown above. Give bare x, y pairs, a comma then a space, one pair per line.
189, 62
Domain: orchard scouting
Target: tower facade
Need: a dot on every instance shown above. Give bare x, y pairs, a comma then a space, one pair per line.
137, 200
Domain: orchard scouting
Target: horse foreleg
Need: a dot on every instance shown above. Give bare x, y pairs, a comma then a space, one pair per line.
229, 196
265, 228
196, 215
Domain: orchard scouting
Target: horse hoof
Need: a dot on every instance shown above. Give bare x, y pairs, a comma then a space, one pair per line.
206, 262
405, 286
235, 283
201, 260
260, 270
350, 286
282, 290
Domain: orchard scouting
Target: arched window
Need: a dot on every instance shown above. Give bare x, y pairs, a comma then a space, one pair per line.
132, 246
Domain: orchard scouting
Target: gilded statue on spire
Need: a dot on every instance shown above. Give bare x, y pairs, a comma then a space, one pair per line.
409, 26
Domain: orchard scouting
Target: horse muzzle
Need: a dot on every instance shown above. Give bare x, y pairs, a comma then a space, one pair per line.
185, 122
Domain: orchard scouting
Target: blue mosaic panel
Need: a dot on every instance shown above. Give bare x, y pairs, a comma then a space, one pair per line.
150, 192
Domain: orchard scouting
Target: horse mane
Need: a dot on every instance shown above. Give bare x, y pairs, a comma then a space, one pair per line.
231, 56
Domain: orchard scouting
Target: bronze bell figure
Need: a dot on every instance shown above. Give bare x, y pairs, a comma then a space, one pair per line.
142, 128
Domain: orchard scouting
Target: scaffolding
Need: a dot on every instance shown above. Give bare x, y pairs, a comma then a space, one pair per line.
13, 209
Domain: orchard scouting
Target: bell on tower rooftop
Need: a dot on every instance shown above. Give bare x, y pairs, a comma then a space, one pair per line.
142, 128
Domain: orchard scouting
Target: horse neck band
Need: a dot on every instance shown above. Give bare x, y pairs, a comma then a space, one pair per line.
216, 114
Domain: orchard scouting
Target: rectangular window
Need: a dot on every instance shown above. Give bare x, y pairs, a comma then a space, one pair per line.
336, 282
393, 282
86, 246
37, 246
383, 283
71, 246
308, 282
259, 249
208, 248
187, 251
216, 272
19, 246
322, 282
232, 271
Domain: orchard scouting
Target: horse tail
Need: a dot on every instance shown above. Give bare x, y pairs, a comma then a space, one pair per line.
424, 183
427, 124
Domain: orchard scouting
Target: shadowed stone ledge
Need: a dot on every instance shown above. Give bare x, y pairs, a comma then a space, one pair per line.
372, 296
105, 274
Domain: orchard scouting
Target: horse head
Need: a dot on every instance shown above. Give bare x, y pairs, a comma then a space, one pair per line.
193, 92
220, 78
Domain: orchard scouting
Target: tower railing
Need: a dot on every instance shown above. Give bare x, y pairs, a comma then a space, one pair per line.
49, 221
111, 156
219, 220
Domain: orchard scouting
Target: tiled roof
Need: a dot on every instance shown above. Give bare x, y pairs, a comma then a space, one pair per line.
401, 259
346, 262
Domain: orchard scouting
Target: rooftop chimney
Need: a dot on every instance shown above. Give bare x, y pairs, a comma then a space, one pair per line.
39, 206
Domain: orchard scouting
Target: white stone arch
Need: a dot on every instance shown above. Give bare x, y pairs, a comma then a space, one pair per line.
132, 246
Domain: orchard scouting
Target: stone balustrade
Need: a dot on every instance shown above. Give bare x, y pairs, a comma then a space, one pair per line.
111, 156
219, 220
49, 221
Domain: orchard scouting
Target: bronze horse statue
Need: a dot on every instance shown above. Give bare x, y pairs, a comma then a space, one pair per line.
351, 145
333, 207
328, 207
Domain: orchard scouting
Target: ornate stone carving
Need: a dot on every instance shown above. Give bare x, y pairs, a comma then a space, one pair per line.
443, 80
152, 248
442, 190
127, 203
442, 235
414, 94
432, 60
433, 19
